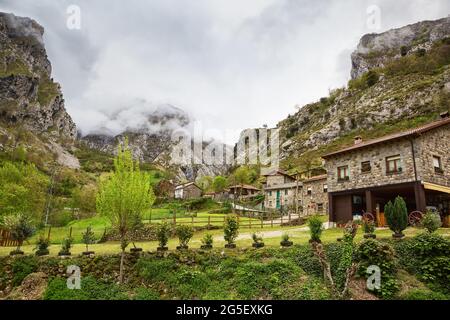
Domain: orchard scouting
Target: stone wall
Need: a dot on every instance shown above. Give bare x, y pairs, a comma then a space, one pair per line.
434, 143
377, 176
311, 202
287, 196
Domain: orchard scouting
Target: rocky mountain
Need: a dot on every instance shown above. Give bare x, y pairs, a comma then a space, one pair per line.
400, 78
32, 112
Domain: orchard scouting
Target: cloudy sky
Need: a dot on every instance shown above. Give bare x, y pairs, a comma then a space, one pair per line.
231, 64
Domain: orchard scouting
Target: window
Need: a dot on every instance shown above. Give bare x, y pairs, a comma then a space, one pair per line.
343, 173
320, 207
286, 192
393, 164
325, 188
309, 191
365, 167
270, 193
437, 164
270, 203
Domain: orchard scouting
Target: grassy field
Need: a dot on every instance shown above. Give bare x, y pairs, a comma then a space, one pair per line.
272, 237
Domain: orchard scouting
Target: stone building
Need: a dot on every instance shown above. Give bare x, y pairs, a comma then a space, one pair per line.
243, 191
187, 191
281, 190
414, 164
314, 195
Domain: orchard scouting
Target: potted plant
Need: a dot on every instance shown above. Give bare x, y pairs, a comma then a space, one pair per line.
88, 238
42, 246
21, 228
431, 221
369, 229
257, 241
231, 231
65, 247
184, 234
315, 228
285, 242
207, 241
163, 236
397, 216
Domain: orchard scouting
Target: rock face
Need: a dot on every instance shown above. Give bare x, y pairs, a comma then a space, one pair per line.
28, 94
374, 50
410, 89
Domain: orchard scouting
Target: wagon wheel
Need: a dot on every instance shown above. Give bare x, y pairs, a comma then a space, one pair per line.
414, 218
367, 216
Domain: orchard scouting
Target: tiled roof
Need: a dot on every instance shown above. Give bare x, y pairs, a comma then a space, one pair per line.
284, 186
316, 178
277, 171
244, 186
403, 134
182, 186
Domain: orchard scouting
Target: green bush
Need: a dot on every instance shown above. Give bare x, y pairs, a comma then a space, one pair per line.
156, 269
304, 257
231, 229
42, 246
22, 267
419, 294
257, 238
184, 233
372, 252
163, 234
66, 246
431, 221
207, 239
88, 237
143, 293
315, 228
368, 226
91, 289
397, 216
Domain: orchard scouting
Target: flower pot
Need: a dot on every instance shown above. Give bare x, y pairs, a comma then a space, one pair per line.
316, 241
88, 253
397, 235
182, 247
258, 244
286, 243
206, 246
369, 236
230, 246
161, 249
64, 254
16, 253
41, 253
136, 250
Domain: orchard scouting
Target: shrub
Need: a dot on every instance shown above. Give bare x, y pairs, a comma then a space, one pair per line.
42, 246
22, 267
285, 237
143, 293
184, 233
368, 226
431, 221
88, 238
257, 238
163, 234
66, 246
20, 226
315, 228
397, 216
372, 252
207, 239
420, 294
231, 229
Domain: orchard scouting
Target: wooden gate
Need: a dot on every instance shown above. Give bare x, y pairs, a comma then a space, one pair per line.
5, 239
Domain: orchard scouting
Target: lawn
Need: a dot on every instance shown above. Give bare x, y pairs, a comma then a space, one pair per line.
272, 237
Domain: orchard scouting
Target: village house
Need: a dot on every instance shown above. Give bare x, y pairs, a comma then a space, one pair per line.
187, 191
413, 164
243, 191
280, 190
314, 195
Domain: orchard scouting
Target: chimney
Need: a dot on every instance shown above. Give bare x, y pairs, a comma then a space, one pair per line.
445, 115
358, 140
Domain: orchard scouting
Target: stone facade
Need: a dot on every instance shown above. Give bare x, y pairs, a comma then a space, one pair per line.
188, 191
314, 195
280, 191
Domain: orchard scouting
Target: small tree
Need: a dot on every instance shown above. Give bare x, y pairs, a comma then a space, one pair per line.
88, 238
124, 195
66, 245
20, 227
231, 230
184, 234
315, 228
396, 216
42, 246
431, 221
207, 241
219, 183
163, 234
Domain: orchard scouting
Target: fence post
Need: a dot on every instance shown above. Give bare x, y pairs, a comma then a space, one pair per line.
262, 220
175, 218
250, 220
281, 223
70, 232
49, 231
289, 217
192, 220
209, 222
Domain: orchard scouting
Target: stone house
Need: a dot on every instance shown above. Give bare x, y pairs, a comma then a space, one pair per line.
414, 164
243, 191
187, 191
281, 191
314, 195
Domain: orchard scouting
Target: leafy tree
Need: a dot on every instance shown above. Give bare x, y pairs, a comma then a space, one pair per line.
162, 234
219, 183
315, 228
125, 194
184, 233
231, 229
20, 226
205, 183
23, 188
84, 198
397, 216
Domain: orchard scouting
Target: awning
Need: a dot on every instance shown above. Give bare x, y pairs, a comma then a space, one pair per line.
436, 187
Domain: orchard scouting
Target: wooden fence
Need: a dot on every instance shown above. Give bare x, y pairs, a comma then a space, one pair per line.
5, 239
